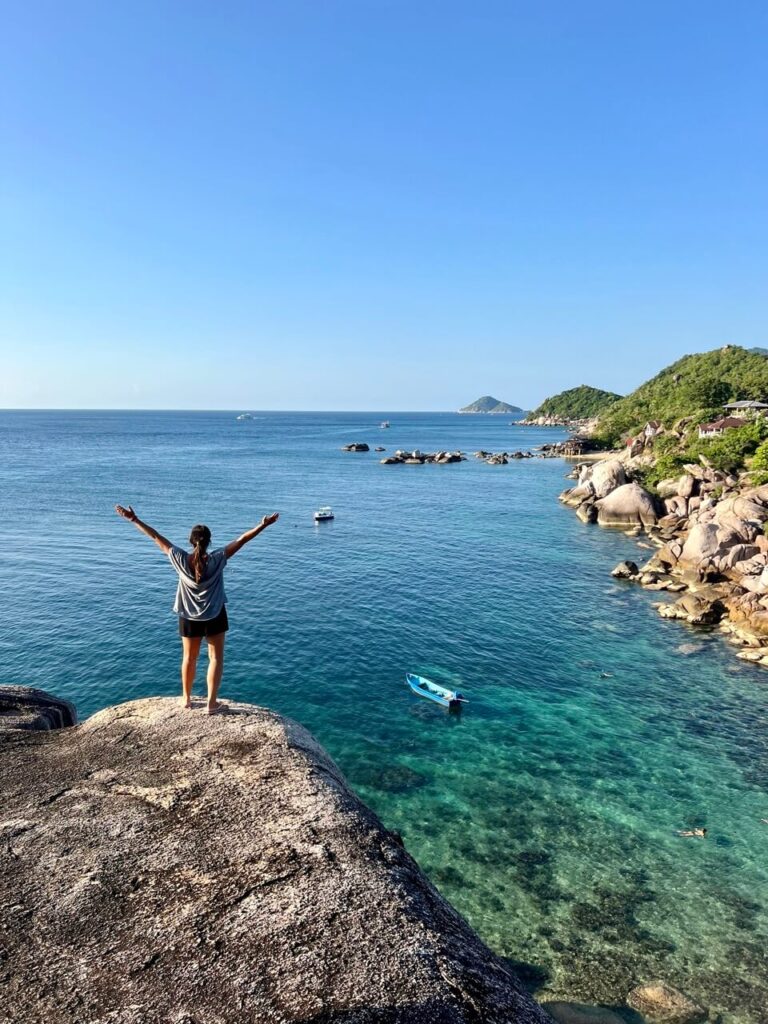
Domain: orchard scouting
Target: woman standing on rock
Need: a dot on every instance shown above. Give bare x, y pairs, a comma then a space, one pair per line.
200, 598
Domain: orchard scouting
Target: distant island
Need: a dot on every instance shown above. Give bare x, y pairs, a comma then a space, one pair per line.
489, 404
581, 403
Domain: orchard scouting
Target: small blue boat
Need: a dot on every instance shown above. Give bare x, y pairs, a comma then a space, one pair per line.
433, 691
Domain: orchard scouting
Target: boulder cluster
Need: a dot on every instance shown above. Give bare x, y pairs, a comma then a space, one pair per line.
418, 458
577, 444
558, 421
569, 449
605, 494
501, 458
710, 531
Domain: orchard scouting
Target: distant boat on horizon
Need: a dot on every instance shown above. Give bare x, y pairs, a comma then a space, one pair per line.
384, 424
245, 416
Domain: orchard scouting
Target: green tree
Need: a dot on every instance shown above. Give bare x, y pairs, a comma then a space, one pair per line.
704, 392
730, 451
694, 383
758, 465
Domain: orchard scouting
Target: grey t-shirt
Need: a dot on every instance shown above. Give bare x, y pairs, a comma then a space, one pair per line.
203, 600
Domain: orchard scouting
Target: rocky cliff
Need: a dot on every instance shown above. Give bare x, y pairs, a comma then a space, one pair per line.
159, 865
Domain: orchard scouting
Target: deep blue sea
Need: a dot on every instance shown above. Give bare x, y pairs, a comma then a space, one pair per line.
547, 811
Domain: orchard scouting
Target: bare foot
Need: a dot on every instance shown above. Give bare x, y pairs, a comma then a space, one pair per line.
185, 703
215, 709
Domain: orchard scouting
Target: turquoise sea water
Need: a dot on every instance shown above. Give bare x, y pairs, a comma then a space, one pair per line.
546, 812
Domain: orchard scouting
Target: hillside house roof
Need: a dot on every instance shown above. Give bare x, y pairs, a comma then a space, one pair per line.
723, 424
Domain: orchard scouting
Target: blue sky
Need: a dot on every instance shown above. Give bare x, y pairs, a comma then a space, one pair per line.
373, 204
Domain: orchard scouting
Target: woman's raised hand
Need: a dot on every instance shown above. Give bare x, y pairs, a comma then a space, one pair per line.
268, 520
126, 513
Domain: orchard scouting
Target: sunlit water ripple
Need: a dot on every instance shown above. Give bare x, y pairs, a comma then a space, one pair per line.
547, 811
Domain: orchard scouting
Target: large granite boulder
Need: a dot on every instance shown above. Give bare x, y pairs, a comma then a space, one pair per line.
700, 609
676, 506
667, 488
587, 512
160, 865
607, 476
703, 544
575, 496
743, 553
629, 504
686, 485
743, 514
741, 517
755, 583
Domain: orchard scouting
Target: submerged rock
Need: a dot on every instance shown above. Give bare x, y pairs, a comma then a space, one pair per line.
161, 865
664, 1004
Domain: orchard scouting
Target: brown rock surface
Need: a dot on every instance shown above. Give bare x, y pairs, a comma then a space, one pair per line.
159, 865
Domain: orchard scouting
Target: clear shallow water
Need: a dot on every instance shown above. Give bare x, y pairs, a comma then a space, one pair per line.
546, 812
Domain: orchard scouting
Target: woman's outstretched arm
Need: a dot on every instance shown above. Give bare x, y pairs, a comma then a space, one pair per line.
128, 513
234, 547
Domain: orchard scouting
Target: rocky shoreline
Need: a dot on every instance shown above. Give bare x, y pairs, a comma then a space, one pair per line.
576, 425
710, 532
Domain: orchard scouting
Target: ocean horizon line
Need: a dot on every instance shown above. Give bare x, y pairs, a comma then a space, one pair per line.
253, 410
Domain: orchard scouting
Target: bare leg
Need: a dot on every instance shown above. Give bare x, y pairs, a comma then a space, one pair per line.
190, 651
215, 669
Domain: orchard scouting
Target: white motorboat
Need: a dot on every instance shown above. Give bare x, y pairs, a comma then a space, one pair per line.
324, 513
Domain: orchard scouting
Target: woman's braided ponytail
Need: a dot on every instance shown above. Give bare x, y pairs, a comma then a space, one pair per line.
201, 538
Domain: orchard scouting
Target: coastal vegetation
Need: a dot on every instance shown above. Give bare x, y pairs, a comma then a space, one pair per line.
728, 453
580, 403
491, 405
693, 388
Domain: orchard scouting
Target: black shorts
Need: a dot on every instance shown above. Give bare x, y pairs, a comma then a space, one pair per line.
204, 627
